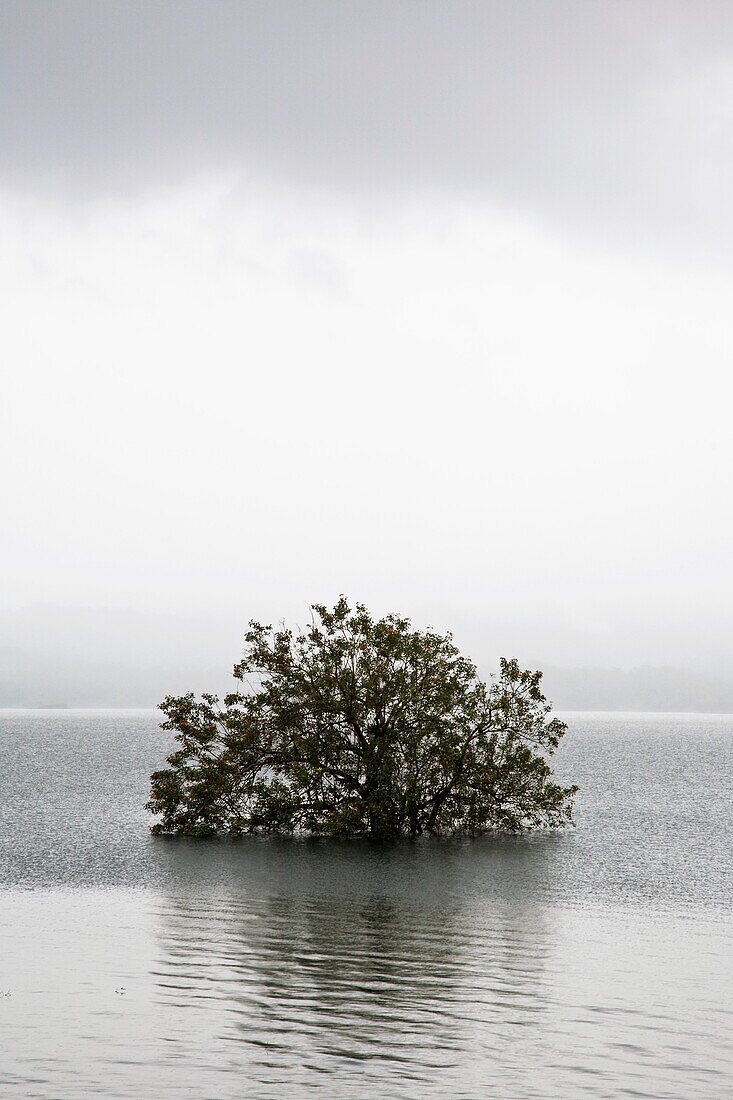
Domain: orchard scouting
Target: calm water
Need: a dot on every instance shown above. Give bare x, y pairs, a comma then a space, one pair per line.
596, 963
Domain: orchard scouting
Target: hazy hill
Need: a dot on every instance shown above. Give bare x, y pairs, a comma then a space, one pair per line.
77, 657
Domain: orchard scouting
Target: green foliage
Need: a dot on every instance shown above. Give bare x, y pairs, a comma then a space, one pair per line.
361, 727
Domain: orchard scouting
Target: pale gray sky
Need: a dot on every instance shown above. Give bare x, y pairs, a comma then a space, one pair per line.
423, 302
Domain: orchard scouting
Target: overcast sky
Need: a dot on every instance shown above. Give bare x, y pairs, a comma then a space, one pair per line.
428, 303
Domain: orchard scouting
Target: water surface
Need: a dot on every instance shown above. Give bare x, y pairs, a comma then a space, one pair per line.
591, 963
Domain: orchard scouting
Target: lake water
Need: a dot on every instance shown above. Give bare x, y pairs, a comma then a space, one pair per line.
595, 963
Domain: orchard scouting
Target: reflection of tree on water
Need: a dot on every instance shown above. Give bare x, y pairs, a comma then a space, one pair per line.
437, 967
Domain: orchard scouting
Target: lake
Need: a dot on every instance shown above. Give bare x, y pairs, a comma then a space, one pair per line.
592, 963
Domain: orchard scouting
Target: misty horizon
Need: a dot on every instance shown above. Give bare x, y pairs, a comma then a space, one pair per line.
141, 658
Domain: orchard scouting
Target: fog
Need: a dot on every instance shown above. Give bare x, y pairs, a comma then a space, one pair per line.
423, 303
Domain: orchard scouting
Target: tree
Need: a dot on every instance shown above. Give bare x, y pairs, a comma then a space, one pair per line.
361, 727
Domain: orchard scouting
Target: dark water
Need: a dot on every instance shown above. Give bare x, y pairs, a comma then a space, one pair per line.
593, 963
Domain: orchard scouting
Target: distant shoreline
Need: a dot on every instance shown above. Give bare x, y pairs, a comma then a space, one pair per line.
70, 708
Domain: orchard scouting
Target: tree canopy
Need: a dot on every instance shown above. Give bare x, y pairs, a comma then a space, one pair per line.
361, 727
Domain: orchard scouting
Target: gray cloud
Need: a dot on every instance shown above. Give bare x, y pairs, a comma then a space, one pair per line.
615, 115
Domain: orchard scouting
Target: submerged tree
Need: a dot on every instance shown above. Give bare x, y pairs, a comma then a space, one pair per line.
361, 727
